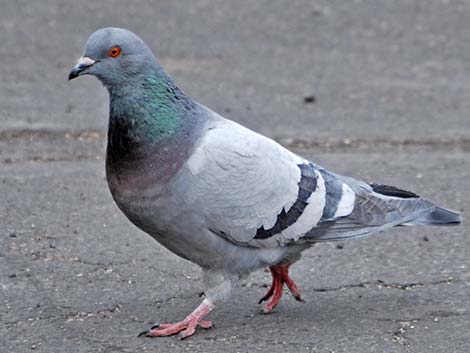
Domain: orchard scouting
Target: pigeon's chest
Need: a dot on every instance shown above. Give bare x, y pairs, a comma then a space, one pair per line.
141, 167
140, 183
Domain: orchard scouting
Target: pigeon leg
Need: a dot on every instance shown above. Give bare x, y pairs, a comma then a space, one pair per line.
185, 328
270, 292
280, 275
275, 298
291, 284
277, 281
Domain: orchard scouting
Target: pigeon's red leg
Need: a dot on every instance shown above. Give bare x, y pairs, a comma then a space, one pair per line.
185, 328
291, 284
275, 298
270, 292
280, 275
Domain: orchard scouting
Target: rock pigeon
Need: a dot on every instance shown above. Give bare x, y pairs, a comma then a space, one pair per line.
218, 194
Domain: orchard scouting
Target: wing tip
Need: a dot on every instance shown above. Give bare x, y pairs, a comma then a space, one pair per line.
440, 216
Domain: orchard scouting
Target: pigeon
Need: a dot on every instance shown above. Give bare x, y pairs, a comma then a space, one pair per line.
218, 194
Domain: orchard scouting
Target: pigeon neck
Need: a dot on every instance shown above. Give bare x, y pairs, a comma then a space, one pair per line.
149, 109
152, 128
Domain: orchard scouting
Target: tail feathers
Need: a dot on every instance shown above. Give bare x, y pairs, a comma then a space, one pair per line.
438, 217
373, 214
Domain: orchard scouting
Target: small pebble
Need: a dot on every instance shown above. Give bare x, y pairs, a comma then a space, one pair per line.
310, 99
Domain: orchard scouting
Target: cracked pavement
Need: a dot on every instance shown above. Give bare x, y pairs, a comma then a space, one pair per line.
376, 90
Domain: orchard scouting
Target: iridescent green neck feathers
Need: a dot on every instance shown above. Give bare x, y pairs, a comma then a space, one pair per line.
149, 109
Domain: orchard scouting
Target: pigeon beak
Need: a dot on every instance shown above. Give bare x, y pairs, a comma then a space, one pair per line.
83, 63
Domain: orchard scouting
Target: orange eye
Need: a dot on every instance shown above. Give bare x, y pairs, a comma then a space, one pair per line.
114, 52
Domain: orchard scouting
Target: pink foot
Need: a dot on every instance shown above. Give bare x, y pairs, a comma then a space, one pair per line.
280, 275
185, 328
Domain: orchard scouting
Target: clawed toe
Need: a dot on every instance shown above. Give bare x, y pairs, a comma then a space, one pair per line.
143, 333
299, 298
280, 276
263, 299
205, 324
184, 328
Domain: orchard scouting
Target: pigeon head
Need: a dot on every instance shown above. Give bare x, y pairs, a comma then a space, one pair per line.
114, 56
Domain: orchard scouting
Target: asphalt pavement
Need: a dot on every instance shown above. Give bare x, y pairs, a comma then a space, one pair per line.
379, 90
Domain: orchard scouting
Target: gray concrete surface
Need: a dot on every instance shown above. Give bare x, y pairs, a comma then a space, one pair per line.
392, 97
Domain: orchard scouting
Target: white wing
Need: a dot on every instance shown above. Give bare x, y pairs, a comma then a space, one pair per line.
247, 187
254, 192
